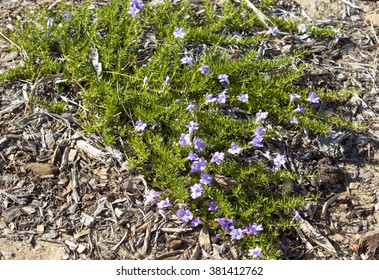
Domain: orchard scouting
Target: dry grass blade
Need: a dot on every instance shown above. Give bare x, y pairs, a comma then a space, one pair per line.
259, 13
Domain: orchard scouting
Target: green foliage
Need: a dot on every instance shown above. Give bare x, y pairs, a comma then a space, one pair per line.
133, 49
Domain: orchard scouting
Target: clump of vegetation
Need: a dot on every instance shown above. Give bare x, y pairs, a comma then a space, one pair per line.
188, 96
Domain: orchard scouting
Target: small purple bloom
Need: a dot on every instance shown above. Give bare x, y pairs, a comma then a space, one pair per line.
204, 69
302, 27
138, 4
205, 179
226, 224
196, 221
313, 98
67, 15
145, 80
273, 31
218, 236
151, 195
221, 98
198, 165
243, 97
184, 215
236, 234
140, 125
196, 191
217, 157
49, 22
261, 116
293, 96
212, 206
192, 156
223, 78
234, 149
184, 140
257, 142
243, 14
167, 80
187, 60
279, 161
192, 106
299, 109
258, 132
164, 203
294, 120
192, 126
133, 11
179, 33
297, 216
199, 144
256, 253
253, 229
210, 98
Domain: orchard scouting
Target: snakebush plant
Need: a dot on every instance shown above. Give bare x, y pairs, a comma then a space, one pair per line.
186, 93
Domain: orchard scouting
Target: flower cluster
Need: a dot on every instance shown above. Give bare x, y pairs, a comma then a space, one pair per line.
135, 7
187, 216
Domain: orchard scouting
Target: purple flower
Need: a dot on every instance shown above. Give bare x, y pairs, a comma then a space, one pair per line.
204, 69
138, 4
67, 15
217, 157
145, 80
256, 253
192, 106
133, 11
236, 234
212, 206
218, 236
294, 120
140, 125
243, 14
234, 149
198, 165
187, 60
184, 215
192, 126
167, 80
192, 156
221, 97
258, 132
243, 97
279, 161
151, 195
273, 31
205, 178
226, 224
257, 142
223, 78
179, 33
196, 191
49, 22
196, 221
313, 98
199, 145
297, 216
164, 203
253, 229
210, 98
185, 140
261, 116
293, 96
299, 109
302, 27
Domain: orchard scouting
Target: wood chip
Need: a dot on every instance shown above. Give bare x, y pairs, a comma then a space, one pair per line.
90, 150
205, 240
42, 169
369, 240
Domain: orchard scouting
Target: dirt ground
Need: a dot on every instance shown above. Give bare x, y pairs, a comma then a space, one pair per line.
343, 225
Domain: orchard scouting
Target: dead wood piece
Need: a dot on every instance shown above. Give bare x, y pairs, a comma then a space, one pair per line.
169, 254
90, 150
205, 240
314, 235
73, 185
370, 241
42, 169
328, 203
177, 230
115, 247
